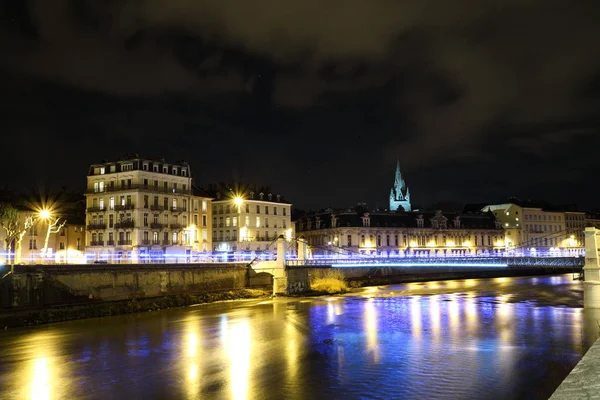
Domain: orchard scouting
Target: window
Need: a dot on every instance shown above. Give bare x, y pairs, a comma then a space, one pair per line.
96, 187
283, 224
127, 167
247, 221
247, 208
146, 236
174, 171
234, 221
274, 210
174, 204
145, 166
62, 245
155, 168
122, 202
204, 205
227, 221
32, 244
396, 240
204, 220
165, 170
266, 209
145, 219
102, 170
284, 211
166, 203
184, 204
111, 238
387, 240
266, 222
258, 222
165, 186
349, 239
155, 237
93, 238
78, 243
174, 237
183, 172
111, 220
258, 209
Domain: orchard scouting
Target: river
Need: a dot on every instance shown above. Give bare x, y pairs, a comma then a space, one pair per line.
502, 338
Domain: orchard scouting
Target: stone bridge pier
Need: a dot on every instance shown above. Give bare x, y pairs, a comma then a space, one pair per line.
286, 280
591, 269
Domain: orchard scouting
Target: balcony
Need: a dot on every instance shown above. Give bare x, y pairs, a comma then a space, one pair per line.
124, 242
176, 226
123, 207
147, 188
177, 209
110, 243
156, 225
96, 209
97, 243
145, 242
156, 207
124, 225
95, 227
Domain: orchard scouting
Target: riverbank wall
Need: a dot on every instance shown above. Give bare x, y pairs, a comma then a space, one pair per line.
43, 286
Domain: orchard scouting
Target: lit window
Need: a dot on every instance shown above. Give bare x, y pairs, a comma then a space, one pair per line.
102, 170
258, 222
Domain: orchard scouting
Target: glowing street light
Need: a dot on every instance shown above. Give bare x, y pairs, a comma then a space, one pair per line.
238, 201
45, 214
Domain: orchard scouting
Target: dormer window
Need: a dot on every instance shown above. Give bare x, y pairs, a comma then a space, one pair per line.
420, 221
278, 198
102, 170
183, 172
270, 196
457, 222
318, 223
174, 171
145, 166
127, 167
366, 220
165, 170
251, 195
155, 168
218, 195
262, 195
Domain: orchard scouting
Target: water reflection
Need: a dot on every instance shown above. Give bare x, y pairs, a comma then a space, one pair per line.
472, 338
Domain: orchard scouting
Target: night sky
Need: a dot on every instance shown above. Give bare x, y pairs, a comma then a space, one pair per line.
480, 100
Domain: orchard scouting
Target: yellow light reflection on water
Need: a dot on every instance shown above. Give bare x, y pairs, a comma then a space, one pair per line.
472, 318
40, 379
434, 315
190, 350
238, 349
453, 314
415, 315
371, 328
504, 318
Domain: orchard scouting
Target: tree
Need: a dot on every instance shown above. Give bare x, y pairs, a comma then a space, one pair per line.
11, 223
54, 226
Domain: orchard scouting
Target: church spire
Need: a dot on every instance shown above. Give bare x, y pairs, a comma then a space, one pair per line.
399, 194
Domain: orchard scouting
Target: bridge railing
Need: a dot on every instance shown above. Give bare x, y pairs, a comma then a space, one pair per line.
447, 261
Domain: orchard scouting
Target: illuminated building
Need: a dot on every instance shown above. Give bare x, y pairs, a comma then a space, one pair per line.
399, 193
431, 233
142, 209
529, 226
248, 218
575, 222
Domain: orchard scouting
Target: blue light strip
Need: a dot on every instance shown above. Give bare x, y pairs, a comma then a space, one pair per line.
413, 265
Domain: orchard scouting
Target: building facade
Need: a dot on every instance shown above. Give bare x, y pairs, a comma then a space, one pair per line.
536, 228
399, 193
145, 210
248, 219
401, 234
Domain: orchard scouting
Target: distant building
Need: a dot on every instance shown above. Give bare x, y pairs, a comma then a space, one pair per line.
141, 209
399, 193
529, 226
247, 218
401, 234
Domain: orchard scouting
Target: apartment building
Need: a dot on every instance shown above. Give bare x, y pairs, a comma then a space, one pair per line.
248, 219
140, 209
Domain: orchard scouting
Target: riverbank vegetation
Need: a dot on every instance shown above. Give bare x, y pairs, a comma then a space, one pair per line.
330, 281
106, 309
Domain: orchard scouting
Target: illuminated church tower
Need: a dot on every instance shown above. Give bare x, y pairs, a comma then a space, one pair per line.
399, 194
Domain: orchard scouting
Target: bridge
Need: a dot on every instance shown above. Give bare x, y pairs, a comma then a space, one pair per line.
444, 262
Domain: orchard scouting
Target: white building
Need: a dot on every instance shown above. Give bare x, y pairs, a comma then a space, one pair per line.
249, 219
145, 210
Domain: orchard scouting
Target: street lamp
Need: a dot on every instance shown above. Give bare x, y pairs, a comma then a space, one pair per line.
44, 214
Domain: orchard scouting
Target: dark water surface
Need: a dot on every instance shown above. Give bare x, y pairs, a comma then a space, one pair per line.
502, 338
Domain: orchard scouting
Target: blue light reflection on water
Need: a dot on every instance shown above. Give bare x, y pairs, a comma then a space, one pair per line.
502, 338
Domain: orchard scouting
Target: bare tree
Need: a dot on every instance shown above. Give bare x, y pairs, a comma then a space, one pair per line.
54, 226
10, 221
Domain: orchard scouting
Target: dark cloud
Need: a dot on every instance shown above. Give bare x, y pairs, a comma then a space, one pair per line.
329, 90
